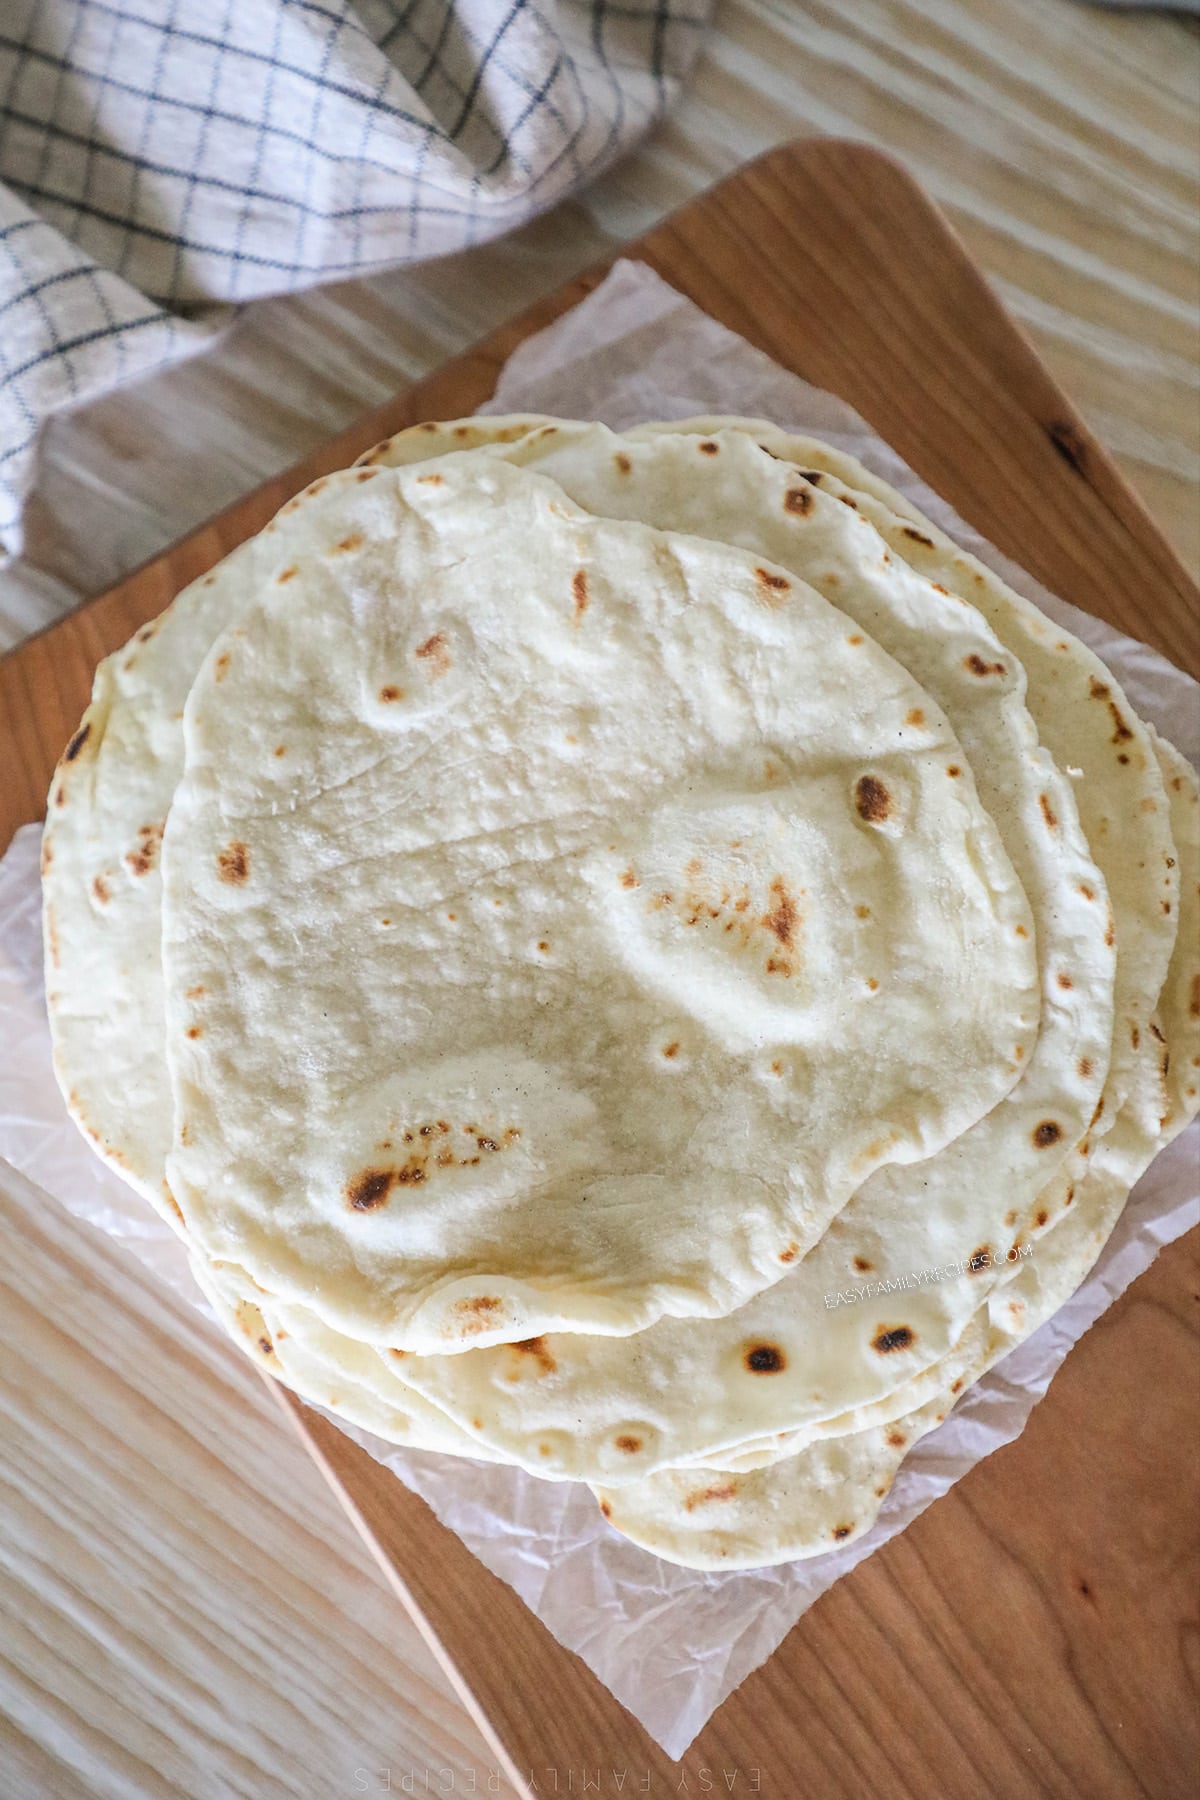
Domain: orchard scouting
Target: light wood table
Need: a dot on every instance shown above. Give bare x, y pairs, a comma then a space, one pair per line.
186, 1611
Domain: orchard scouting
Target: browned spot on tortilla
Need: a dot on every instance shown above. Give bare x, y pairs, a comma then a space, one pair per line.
100, 890
976, 664
915, 717
871, 799
539, 1350
172, 1202
893, 1337
671, 1049
896, 1439
1122, 731
622, 461
798, 501
77, 742
872, 984
435, 650
432, 480
772, 585
355, 540
1010, 1217
789, 1254
388, 694
60, 795
1064, 981
777, 966
862, 1265
939, 589
776, 1066
193, 1031
280, 749
1194, 1004
628, 1443
606, 1509
365, 474
1018, 1052
918, 537
782, 918
1087, 892
579, 587
543, 945
287, 574
707, 447
233, 863
629, 879
221, 666
953, 771
1122, 758
1084, 1066
1166, 906
862, 912
1021, 931
1047, 811
1042, 1215
764, 1359
705, 1495
265, 1345
978, 1259
1110, 934
369, 1189
144, 855
1045, 1134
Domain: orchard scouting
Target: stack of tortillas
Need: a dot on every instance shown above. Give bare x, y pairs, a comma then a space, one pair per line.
630, 956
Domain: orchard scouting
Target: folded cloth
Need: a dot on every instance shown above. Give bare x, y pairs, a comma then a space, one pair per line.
161, 160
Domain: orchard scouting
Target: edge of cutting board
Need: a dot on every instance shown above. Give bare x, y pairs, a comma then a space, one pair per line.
831, 259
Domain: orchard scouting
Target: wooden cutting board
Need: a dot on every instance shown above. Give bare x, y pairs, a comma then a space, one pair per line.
1034, 1632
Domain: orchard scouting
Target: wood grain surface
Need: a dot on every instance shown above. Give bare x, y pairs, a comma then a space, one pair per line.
1032, 1634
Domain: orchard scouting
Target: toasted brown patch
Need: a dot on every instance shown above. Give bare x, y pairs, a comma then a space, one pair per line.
893, 1337
288, 574
1084, 1066
1064, 981
233, 863
436, 651
606, 1509
431, 480
706, 1495
862, 912
1046, 1134
798, 501
897, 1439
977, 666
978, 1259
862, 1265
538, 1349
789, 1254
1047, 812
221, 666
622, 461
579, 587
1087, 892
356, 540
764, 1359
144, 855
1010, 1217
706, 447
773, 586
1194, 1004
915, 717
670, 1050
369, 1189
784, 914
100, 890
77, 742
365, 474
918, 537
1042, 1216
390, 693
628, 1443
953, 771
871, 799
193, 1031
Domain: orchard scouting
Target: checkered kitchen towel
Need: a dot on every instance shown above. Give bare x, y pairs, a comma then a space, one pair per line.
160, 159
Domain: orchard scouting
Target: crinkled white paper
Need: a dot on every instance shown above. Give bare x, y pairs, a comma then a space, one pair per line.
670, 1643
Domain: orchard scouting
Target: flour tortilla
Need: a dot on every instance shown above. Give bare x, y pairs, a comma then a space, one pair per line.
438, 783
831, 1491
260, 1327
949, 1209
1082, 717
101, 881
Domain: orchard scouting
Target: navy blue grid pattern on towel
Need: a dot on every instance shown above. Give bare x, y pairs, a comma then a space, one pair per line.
161, 160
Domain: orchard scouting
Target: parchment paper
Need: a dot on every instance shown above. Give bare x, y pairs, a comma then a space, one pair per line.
670, 1643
